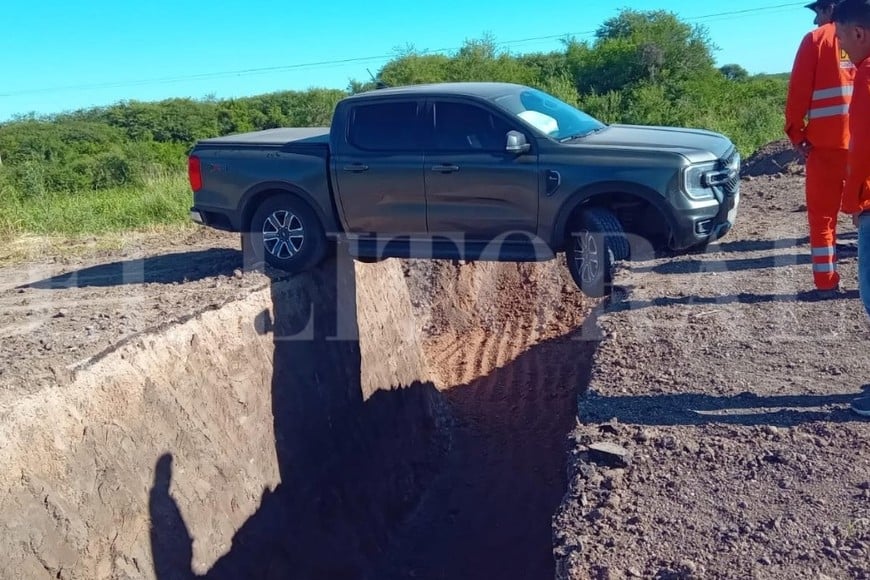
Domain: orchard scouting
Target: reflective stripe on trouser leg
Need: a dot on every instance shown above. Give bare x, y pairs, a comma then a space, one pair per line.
824, 261
826, 170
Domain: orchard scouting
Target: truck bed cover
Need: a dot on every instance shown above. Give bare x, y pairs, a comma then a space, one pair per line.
274, 137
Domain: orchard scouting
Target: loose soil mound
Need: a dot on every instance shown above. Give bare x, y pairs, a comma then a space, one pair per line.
776, 158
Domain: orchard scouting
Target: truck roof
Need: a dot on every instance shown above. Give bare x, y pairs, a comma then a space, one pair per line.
486, 90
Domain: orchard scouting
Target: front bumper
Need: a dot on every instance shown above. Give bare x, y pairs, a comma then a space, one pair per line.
707, 225
709, 221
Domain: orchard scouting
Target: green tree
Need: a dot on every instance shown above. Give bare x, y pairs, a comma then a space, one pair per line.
734, 72
638, 47
414, 69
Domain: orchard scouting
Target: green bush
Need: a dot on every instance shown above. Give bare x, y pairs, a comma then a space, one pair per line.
645, 68
29, 179
115, 169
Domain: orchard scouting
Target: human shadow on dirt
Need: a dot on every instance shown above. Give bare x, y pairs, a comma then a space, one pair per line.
757, 245
843, 238
174, 268
350, 467
702, 409
620, 301
699, 266
171, 542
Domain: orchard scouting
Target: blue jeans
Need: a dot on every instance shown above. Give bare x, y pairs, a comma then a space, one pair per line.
864, 259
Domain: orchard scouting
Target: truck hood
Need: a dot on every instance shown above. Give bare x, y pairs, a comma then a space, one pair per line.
695, 144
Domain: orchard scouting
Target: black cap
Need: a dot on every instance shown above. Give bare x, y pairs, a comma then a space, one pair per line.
852, 10
822, 4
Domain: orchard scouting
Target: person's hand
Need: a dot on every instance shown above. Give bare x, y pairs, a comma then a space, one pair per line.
855, 218
803, 148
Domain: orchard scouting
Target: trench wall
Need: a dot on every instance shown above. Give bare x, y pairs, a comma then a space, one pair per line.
177, 453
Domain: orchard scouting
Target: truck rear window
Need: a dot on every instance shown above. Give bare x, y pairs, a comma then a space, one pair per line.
389, 126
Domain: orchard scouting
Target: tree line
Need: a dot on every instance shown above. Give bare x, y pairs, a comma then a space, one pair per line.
641, 67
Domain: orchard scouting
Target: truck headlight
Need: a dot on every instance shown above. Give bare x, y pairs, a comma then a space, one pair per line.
696, 181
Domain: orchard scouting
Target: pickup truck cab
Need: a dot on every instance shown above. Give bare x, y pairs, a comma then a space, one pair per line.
466, 171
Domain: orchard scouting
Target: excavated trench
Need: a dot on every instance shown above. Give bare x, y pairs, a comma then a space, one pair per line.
391, 420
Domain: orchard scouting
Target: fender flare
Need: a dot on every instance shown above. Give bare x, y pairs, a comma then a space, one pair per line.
246, 208
588, 192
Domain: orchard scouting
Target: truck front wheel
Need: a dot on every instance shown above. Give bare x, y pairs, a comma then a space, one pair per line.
597, 242
286, 234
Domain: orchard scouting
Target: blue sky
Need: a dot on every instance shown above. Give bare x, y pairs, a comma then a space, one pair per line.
70, 55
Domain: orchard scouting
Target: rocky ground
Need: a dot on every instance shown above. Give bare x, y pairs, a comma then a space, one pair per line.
719, 380
720, 392
56, 310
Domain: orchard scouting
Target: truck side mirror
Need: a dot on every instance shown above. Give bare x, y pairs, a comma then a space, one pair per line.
516, 142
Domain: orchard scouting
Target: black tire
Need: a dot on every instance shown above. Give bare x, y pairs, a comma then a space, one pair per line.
597, 242
285, 233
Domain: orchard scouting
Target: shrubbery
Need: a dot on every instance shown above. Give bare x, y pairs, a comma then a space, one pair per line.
641, 68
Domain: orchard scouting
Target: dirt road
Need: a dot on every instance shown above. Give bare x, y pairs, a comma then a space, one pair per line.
727, 382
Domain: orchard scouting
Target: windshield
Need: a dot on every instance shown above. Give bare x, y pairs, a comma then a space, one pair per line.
548, 114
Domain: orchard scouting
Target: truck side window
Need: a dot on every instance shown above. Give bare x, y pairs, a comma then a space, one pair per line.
391, 126
464, 127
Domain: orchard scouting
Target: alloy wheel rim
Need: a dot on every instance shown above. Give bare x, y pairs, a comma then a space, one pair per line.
586, 257
283, 234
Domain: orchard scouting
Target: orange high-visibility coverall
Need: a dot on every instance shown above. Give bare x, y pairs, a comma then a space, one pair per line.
856, 197
816, 112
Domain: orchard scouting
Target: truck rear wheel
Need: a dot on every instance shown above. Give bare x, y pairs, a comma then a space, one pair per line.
597, 243
286, 234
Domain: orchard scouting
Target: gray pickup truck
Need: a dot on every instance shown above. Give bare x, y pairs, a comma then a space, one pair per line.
466, 171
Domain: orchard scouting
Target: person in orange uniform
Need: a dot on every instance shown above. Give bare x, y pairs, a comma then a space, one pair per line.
852, 22
816, 122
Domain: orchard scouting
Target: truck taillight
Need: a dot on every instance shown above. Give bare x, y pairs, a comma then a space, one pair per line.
194, 174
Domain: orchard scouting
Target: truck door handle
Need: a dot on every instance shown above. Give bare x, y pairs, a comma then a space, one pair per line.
554, 180
445, 168
356, 167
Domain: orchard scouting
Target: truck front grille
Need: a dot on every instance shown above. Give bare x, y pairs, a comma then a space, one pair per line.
732, 185
732, 163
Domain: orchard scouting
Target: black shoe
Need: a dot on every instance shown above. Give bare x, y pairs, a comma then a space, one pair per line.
847, 250
831, 293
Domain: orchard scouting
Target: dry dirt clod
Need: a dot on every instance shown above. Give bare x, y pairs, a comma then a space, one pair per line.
668, 442
609, 428
609, 454
587, 470
643, 436
613, 502
689, 566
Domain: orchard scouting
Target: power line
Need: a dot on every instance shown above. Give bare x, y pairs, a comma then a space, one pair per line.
357, 60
